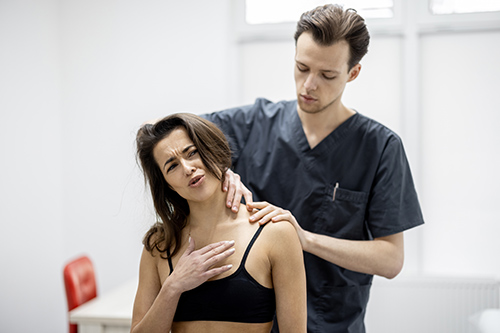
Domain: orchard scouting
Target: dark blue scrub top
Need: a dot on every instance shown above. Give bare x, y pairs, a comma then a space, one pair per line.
375, 196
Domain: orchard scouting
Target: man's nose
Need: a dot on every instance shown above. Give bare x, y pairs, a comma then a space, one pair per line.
310, 83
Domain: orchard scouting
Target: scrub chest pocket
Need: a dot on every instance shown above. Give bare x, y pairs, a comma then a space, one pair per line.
342, 213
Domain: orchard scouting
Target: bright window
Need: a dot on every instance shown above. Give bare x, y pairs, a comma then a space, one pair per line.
463, 6
279, 11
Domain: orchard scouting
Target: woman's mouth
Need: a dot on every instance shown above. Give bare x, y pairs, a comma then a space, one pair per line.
196, 181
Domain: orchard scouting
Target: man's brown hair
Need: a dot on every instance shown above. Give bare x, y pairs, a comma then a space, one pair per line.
330, 24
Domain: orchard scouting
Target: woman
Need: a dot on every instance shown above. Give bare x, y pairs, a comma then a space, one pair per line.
205, 268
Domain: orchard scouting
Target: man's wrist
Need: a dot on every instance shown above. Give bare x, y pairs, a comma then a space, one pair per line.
307, 240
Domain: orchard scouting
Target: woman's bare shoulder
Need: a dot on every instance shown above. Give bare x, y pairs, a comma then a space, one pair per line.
282, 231
282, 244
280, 227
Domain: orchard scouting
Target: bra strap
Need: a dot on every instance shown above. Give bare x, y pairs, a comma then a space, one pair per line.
257, 233
169, 258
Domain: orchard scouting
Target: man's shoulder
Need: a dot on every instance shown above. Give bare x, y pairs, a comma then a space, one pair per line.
281, 109
265, 106
269, 108
261, 110
374, 129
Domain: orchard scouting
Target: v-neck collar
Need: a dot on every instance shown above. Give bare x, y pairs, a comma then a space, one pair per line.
329, 142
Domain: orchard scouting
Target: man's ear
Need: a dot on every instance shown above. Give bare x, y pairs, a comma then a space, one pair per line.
354, 72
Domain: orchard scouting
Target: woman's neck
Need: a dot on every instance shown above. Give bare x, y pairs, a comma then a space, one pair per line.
210, 213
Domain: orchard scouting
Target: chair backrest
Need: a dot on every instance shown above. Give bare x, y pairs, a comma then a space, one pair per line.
80, 284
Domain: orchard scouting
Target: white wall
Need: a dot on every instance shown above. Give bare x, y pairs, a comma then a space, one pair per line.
461, 157
77, 78
124, 63
31, 183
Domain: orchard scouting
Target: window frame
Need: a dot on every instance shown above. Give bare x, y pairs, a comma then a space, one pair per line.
425, 22
245, 32
428, 22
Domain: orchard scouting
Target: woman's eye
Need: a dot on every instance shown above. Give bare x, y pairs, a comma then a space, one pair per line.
193, 152
171, 167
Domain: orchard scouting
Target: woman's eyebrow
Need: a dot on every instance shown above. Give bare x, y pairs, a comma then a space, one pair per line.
172, 158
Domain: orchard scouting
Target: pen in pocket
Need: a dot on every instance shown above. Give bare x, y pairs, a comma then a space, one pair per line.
335, 191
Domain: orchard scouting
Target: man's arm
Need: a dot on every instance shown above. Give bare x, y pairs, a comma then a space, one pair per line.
383, 256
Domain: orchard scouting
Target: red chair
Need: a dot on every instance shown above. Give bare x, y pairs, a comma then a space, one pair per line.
80, 283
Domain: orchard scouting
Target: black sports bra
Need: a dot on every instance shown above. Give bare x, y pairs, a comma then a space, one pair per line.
235, 298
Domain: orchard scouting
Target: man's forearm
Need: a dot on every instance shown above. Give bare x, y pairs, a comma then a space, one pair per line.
382, 256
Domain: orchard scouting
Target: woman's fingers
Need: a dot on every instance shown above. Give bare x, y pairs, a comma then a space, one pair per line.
216, 248
214, 253
216, 271
212, 262
195, 267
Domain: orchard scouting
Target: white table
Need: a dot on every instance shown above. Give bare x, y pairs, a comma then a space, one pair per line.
109, 313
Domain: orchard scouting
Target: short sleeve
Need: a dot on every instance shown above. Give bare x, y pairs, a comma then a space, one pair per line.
393, 203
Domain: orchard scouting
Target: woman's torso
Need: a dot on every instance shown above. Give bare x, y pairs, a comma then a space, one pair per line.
257, 264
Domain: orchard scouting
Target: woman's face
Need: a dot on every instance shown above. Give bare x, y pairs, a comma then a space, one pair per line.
182, 167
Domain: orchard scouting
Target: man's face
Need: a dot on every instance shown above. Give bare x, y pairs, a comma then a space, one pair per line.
321, 74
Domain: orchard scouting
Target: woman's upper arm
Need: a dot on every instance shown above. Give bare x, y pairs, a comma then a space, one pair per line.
148, 288
289, 278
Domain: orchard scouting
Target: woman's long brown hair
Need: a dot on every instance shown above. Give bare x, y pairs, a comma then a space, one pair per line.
165, 235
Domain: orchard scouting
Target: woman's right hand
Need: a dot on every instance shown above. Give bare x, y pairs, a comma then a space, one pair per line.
196, 267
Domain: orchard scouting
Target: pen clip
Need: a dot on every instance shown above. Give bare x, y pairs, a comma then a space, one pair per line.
335, 191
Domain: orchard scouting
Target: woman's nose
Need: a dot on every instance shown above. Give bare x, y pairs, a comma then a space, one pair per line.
189, 168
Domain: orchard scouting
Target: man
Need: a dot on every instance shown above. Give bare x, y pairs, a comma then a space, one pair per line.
343, 176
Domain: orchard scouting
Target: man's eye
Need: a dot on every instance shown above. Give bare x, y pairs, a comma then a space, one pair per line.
302, 69
329, 77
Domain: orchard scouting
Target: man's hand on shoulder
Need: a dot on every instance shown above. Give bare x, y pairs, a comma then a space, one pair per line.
235, 191
264, 212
